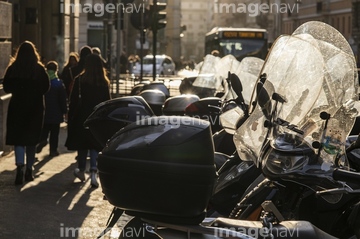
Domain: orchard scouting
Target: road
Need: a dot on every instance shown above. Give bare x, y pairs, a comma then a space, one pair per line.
55, 204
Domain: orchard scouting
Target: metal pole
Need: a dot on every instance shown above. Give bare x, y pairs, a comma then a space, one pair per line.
118, 49
109, 45
142, 55
142, 40
154, 31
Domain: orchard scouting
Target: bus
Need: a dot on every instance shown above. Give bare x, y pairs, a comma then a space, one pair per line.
239, 42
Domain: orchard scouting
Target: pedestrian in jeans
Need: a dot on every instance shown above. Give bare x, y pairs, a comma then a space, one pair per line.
26, 79
55, 110
90, 88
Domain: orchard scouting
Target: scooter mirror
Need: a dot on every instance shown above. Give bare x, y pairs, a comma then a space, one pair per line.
237, 87
236, 84
264, 101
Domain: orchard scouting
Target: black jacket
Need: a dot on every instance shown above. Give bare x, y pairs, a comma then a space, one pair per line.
26, 108
55, 103
91, 95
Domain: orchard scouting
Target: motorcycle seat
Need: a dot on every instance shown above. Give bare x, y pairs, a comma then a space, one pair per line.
285, 229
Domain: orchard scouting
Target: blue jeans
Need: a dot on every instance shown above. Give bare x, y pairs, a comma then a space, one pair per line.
81, 159
21, 151
53, 130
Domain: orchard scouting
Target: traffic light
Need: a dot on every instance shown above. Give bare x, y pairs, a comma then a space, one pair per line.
158, 16
141, 19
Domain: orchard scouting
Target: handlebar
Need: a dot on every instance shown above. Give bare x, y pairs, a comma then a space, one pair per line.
346, 176
354, 145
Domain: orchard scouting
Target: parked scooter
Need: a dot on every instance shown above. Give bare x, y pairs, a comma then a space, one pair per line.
158, 149
296, 134
236, 94
112, 115
155, 94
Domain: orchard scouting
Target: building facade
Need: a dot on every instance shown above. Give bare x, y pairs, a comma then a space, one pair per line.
195, 16
333, 12
342, 15
51, 26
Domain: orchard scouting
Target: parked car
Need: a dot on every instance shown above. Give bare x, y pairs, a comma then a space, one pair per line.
164, 65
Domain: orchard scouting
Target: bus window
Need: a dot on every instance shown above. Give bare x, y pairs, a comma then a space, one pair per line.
239, 42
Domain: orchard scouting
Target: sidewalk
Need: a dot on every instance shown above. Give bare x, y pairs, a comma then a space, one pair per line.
55, 204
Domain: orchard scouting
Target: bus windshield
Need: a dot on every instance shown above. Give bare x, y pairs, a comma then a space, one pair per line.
239, 42
241, 48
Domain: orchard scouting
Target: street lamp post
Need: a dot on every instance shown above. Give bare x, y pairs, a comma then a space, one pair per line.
118, 47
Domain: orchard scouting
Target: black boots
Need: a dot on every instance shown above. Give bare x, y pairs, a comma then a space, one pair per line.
19, 175
19, 179
28, 175
93, 180
40, 146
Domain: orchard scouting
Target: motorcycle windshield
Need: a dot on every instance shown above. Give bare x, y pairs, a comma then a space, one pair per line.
207, 73
314, 71
248, 72
214, 70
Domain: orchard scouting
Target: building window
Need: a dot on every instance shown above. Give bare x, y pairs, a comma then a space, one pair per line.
319, 6
190, 36
349, 25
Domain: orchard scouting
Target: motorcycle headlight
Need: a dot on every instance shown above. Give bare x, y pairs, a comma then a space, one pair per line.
287, 153
279, 163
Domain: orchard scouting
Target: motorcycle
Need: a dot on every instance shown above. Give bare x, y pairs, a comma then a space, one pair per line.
146, 170
236, 95
155, 93
116, 114
296, 134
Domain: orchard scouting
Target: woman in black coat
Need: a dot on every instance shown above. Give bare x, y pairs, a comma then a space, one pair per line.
90, 88
26, 79
78, 69
66, 74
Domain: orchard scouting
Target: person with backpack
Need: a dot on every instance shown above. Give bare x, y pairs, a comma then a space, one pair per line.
56, 108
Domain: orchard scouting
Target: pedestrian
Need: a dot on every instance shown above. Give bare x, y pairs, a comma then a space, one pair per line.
97, 51
132, 61
90, 88
26, 79
66, 75
76, 70
55, 110
124, 63
215, 53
